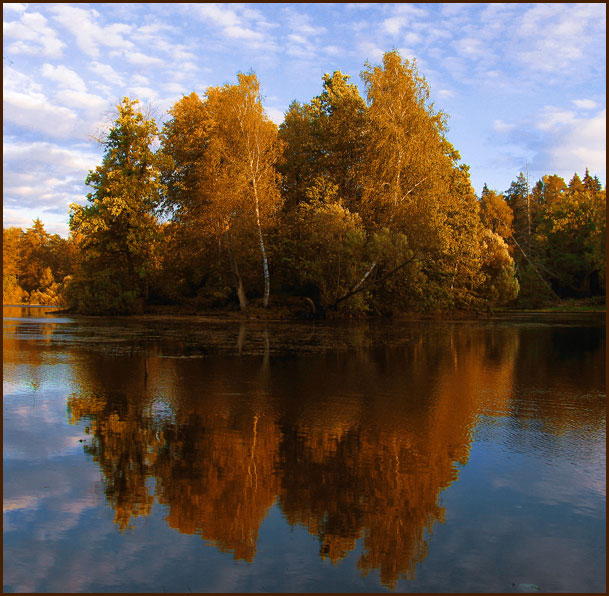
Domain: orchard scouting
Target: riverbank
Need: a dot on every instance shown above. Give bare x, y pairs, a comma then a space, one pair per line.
301, 310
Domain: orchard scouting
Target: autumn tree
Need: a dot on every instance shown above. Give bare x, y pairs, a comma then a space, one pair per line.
533, 278
547, 190
323, 249
500, 285
325, 138
34, 257
118, 226
244, 149
413, 184
518, 198
495, 213
415, 206
192, 259
12, 292
572, 232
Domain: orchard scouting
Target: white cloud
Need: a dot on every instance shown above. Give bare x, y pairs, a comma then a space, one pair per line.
370, 51
179, 54
60, 158
584, 104
89, 34
554, 37
445, 93
471, 47
409, 9
90, 106
140, 59
552, 118
41, 179
106, 72
175, 89
64, 76
36, 113
143, 93
237, 22
333, 50
412, 38
453, 8
500, 126
140, 79
13, 80
275, 114
34, 36
69, 113
305, 38
16, 6
580, 143
220, 14
409, 54
393, 25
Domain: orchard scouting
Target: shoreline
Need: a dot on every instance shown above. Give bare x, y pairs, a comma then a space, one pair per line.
285, 315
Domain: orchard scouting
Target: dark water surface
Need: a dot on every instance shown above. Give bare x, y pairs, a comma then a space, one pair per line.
185, 455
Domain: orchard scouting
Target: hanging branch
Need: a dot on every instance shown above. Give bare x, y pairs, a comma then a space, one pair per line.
360, 287
536, 270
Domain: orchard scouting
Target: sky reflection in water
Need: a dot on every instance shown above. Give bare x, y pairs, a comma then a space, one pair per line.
151, 455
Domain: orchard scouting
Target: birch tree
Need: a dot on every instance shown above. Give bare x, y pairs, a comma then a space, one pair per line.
245, 148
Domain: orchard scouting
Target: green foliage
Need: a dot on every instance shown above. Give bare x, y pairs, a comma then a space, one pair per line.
102, 293
360, 205
325, 138
119, 226
324, 250
572, 231
535, 291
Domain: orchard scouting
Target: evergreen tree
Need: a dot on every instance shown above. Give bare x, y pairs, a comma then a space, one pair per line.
119, 226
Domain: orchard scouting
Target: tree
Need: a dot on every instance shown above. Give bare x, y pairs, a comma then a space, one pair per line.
572, 231
547, 190
244, 149
119, 226
495, 213
518, 198
192, 259
323, 248
12, 292
34, 257
325, 137
533, 277
185, 142
500, 285
413, 185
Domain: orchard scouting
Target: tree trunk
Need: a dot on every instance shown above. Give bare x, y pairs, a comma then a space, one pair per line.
360, 287
265, 264
236, 277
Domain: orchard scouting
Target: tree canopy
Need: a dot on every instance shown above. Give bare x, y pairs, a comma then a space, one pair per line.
354, 205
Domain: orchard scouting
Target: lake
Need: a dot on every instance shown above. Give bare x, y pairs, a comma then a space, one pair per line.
151, 454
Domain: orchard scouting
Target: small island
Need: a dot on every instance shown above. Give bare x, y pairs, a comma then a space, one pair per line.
352, 207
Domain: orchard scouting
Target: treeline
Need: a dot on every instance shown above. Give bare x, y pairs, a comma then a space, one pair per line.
350, 206
35, 265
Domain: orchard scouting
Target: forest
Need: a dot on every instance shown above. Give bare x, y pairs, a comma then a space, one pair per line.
353, 206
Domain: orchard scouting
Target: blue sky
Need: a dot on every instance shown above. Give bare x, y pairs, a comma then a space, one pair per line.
521, 83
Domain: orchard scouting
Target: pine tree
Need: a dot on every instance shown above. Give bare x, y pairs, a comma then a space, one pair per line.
119, 226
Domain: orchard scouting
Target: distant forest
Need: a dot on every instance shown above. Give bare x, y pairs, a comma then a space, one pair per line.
350, 207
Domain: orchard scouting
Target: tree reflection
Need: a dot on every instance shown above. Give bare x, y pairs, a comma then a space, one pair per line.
358, 451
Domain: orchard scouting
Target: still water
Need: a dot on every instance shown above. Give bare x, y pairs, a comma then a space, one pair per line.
192, 455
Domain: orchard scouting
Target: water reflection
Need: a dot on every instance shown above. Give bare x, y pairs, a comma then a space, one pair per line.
361, 449
354, 441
